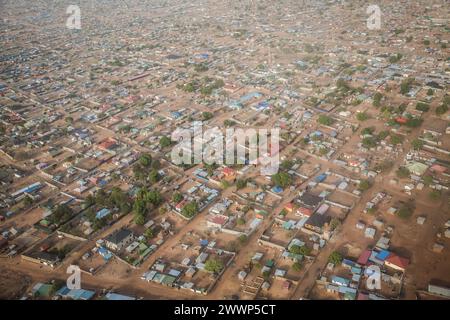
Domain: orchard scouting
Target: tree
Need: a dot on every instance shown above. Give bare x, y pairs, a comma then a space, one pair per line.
405, 85
27, 201
335, 258
396, 139
334, 223
232, 246
369, 142
364, 185
362, 116
377, 99
325, 120
229, 123
139, 207
426, 42
201, 67
427, 180
434, 194
164, 142
395, 58
119, 199
342, 84
441, 109
414, 122
297, 266
282, 179
214, 265
177, 197
403, 172
242, 238
266, 275
286, 164
420, 106
224, 183
138, 172
156, 165
139, 219
241, 183
430, 92
145, 160
404, 212
417, 144
89, 201
323, 151
149, 233
206, 116
190, 209
61, 214
368, 131
240, 221
154, 197
303, 250
154, 176
69, 120
382, 135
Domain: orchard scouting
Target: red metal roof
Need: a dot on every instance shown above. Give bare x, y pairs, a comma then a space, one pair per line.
364, 257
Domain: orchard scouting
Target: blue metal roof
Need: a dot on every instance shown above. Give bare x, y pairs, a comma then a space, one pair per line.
382, 255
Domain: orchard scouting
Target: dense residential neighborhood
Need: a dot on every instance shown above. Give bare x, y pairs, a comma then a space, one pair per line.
88, 178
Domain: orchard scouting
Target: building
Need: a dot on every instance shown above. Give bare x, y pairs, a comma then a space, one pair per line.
119, 239
396, 262
316, 222
309, 201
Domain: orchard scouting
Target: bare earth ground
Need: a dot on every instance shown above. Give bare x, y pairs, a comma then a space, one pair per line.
13, 284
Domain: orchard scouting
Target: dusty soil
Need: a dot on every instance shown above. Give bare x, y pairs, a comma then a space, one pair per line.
13, 284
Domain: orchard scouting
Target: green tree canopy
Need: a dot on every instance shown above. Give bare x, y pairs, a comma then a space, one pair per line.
335, 258
214, 265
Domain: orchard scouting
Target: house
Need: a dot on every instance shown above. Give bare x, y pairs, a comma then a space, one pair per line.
437, 127
417, 168
304, 212
115, 296
108, 144
289, 207
180, 205
309, 201
364, 257
438, 290
396, 262
216, 221
228, 173
43, 257
75, 294
316, 222
119, 239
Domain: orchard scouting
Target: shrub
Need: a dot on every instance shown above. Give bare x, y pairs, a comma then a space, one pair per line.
297, 266
335, 258
214, 265
364, 185
403, 172
422, 107
362, 116
404, 212
325, 120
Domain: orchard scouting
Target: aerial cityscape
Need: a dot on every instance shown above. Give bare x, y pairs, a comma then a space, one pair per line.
225, 150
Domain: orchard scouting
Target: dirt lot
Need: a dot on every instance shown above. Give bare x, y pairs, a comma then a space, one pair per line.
13, 284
